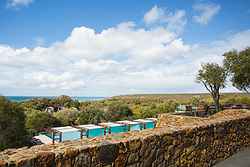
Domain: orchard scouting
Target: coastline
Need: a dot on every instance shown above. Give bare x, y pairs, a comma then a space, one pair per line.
26, 98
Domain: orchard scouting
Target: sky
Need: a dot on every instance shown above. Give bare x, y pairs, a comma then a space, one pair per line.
107, 48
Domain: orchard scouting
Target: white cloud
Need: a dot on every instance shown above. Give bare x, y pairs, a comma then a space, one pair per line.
174, 21
206, 12
154, 14
18, 3
118, 60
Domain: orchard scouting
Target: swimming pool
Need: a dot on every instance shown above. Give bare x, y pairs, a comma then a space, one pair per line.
113, 128
90, 130
146, 123
131, 125
65, 133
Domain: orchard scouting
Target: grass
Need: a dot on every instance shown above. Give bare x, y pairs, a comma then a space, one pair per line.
182, 98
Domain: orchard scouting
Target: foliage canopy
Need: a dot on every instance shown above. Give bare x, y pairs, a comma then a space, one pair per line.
213, 77
12, 124
238, 66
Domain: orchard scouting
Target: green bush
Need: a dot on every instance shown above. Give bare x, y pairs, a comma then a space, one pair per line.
12, 125
117, 111
38, 121
67, 116
90, 116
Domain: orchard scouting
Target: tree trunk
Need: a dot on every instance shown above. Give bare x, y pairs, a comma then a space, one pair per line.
216, 99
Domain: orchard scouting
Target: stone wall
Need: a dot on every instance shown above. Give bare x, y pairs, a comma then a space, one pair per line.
177, 141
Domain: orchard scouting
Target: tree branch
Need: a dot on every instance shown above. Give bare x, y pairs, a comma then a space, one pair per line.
206, 87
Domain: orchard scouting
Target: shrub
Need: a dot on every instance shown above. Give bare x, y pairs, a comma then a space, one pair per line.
67, 116
117, 111
91, 115
38, 121
12, 124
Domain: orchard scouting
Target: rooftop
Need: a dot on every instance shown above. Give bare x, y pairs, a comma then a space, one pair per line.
89, 126
143, 120
128, 122
110, 124
65, 129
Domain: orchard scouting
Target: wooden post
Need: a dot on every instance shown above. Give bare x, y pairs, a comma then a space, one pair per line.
81, 133
87, 132
53, 137
141, 124
60, 137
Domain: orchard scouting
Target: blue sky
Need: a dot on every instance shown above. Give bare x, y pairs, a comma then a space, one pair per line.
115, 47
54, 20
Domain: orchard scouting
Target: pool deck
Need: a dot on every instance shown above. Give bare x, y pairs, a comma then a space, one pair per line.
240, 159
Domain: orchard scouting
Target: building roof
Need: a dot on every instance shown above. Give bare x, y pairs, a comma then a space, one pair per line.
143, 120
65, 129
110, 124
128, 122
152, 119
89, 126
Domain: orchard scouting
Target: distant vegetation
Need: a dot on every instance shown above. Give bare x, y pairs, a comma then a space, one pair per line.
20, 121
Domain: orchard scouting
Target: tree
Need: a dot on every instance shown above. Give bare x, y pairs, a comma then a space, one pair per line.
67, 116
12, 124
91, 115
38, 121
238, 66
213, 77
117, 111
36, 104
64, 101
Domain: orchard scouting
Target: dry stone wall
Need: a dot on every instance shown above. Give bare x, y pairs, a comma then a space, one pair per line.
177, 141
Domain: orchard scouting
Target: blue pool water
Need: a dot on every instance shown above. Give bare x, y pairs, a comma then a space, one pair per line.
116, 129
65, 136
99, 131
147, 125
71, 136
135, 127
150, 125
95, 132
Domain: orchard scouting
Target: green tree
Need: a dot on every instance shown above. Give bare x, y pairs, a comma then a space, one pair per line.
36, 104
196, 100
117, 111
90, 116
147, 112
67, 116
238, 66
37, 121
12, 124
213, 77
65, 101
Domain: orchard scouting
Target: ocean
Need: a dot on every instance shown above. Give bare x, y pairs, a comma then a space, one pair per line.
25, 98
